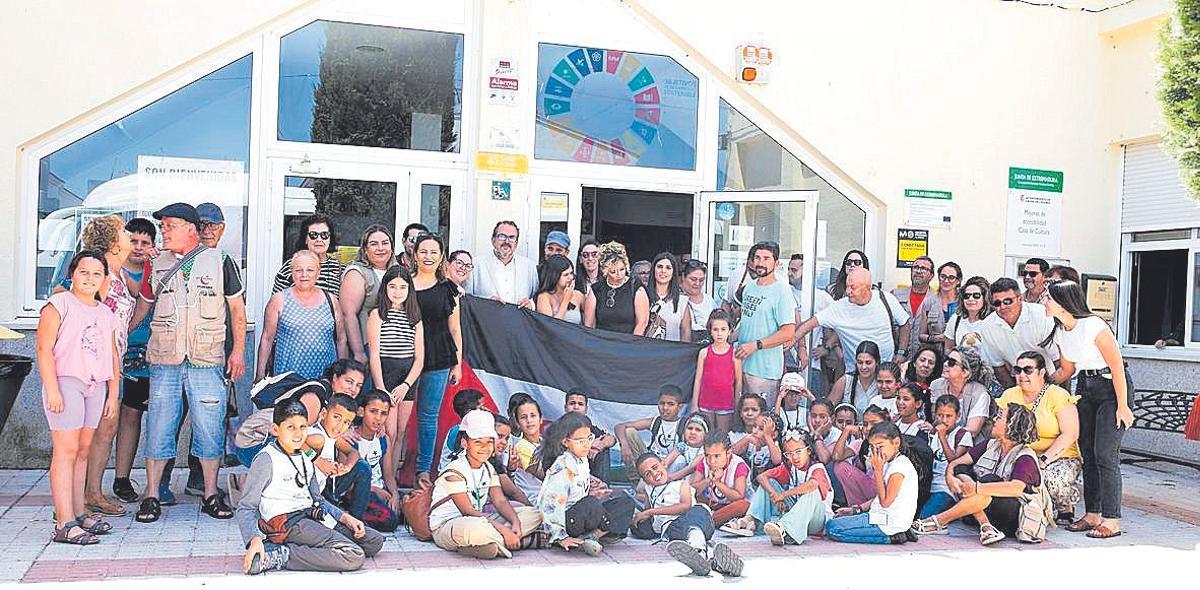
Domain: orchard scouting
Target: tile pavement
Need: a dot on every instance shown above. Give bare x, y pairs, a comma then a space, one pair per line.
187, 544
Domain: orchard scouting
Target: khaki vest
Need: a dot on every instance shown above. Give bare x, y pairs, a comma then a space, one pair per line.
189, 316
1036, 507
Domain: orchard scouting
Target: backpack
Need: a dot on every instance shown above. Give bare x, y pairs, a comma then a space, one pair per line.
271, 390
656, 427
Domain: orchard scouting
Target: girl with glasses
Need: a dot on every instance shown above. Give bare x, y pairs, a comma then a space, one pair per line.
587, 269
317, 236
793, 500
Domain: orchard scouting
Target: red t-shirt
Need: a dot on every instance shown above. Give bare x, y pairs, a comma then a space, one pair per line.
914, 302
782, 473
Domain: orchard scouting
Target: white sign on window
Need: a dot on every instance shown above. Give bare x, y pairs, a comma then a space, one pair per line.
1034, 212
163, 180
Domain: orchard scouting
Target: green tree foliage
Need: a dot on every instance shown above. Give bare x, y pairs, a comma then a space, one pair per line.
1179, 90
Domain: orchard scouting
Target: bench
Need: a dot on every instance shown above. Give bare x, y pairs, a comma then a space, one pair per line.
1160, 411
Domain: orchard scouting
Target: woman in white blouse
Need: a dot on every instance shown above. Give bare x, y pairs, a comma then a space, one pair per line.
1089, 351
973, 307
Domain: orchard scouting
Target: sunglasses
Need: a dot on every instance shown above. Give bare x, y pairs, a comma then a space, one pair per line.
952, 362
976, 295
1030, 273
947, 278
693, 264
1005, 301
1027, 369
318, 235
853, 262
589, 254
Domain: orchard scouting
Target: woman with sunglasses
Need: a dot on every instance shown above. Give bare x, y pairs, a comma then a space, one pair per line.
1090, 352
853, 259
458, 268
587, 269
934, 312
699, 304
968, 377
409, 238
316, 236
359, 291
967, 320
616, 303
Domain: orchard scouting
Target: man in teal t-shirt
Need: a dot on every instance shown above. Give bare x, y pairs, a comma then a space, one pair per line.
768, 321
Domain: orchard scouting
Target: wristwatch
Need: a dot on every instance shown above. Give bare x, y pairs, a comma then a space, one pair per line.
902, 352
758, 343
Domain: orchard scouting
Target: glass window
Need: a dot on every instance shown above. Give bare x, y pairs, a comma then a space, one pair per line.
192, 145
1158, 296
738, 226
750, 160
435, 209
367, 85
353, 205
615, 107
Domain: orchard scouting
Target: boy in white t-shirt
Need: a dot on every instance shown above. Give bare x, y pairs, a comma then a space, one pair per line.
949, 442
344, 477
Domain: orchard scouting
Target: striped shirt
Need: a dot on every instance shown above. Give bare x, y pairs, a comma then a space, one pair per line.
329, 279
397, 338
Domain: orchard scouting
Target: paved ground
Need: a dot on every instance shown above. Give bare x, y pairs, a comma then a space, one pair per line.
1161, 539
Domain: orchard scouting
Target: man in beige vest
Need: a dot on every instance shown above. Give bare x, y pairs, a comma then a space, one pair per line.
189, 288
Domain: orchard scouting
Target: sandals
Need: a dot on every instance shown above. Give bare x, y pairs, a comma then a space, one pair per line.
1079, 526
1103, 532
93, 524
83, 537
149, 511
104, 505
928, 526
989, 534
216, 507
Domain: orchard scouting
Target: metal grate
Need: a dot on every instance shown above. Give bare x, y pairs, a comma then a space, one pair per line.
1164, 411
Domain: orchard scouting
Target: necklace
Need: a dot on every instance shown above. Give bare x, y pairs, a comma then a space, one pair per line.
300, 483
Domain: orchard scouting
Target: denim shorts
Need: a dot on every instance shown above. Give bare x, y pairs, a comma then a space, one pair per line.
206, 398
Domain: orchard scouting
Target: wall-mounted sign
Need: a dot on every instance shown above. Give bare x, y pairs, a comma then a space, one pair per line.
910, 245
927, 208
1101, 292
497, 162
501, 190
1034, 212
753, 64
503, 83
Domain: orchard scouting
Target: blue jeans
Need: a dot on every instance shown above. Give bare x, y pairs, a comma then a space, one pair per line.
353, 490
206, 398
430, 390
246, 456
855, 529
937, 503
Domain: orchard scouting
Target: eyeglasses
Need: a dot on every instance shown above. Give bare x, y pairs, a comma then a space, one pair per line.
611, 299
589, 254
504, 237
1027, 369
174, 226
587, 440
952, 362
1030, 273
318, 235
947, 278
461, 264
796, 453
1005, 301
976, 295
922, 268
412, 239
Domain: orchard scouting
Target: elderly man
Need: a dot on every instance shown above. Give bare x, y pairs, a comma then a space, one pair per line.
865, 313
1033, 275
767, 324
504, 276
190, 288
1017, 326
641, 272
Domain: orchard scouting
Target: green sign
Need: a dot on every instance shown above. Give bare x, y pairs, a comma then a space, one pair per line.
1035, 180
917, 193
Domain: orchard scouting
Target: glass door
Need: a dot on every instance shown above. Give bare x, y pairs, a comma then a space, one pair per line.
732, 222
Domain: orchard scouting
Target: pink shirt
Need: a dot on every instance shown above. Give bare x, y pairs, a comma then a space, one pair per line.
716, 384
84, 346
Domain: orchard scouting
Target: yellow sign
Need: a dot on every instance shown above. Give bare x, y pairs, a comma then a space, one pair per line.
911, 244
497, 162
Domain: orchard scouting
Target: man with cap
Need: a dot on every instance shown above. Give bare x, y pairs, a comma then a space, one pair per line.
190, 288
212, 224
505, 275
557, 242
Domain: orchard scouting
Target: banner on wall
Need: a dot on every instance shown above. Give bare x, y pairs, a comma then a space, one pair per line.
1034, 213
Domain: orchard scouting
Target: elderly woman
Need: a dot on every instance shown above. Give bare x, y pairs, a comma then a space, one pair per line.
458, 268
1057, 430
302, 325
973, 307
999, 484
934, 312
316, 236
616, 303
360, 286
967, 377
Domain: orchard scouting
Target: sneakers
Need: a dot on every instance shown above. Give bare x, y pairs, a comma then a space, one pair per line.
776, 534
684, 553
122, 488
275, 557
725, 562
591, 547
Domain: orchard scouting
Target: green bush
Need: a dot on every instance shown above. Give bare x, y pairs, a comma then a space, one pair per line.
1179, 90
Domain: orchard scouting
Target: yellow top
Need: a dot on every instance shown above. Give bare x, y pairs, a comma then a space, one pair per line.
1056, 398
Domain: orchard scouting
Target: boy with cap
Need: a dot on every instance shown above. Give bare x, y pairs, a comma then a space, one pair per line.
465, 488
792, 402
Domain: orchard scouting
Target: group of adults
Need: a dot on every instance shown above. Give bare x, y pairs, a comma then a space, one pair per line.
396, 310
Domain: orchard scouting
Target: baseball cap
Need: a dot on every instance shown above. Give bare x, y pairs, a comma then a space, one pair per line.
182, 211
210, 213
479, 424
792, 382
560, 238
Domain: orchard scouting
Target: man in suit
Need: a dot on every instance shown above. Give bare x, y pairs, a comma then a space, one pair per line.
505, 275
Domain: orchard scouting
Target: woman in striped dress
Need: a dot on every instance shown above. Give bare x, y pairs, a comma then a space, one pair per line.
396, 345
302, 328
316, 236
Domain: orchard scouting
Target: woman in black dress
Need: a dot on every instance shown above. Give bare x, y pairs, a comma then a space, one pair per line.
615, 302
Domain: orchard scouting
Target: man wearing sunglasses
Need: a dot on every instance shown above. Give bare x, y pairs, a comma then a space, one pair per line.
504, 276
1033, 274
1017, 326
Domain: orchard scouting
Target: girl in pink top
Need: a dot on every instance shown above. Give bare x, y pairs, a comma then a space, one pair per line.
79, 364
718, 374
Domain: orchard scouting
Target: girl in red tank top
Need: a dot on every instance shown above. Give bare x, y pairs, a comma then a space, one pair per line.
718, 374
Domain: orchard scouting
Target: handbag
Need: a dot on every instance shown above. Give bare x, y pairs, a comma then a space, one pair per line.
416, 508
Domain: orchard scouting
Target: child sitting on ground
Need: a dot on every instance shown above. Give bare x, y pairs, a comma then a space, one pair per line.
464, 401
669, 512
346, 482
285, 521
665, 429
852, 483
599, 462
500, 463
721, 479
887, 380
467, 486
383, 508
524, 462
887, 517
793, 401
820, 424
950, 441
572, 514
761, 448
793, 500
718, 374
911, 409
682, 460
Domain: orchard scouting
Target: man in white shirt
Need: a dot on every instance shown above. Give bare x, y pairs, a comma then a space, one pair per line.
505, 276
861, 315
1017, 326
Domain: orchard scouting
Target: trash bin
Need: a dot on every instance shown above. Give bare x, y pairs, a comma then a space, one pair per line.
13, 370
